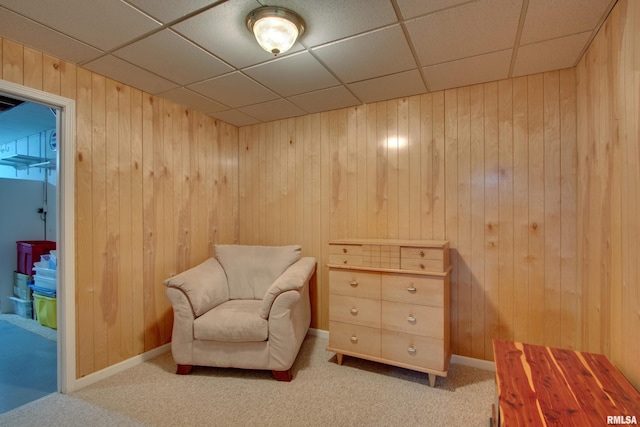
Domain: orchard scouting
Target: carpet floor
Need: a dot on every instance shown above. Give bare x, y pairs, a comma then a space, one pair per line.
322, 393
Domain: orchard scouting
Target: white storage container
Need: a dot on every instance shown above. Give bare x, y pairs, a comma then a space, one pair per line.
22, 307
44, 282
45, 272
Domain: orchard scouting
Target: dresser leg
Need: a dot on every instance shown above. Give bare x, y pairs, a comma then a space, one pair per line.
432, 380
339, 358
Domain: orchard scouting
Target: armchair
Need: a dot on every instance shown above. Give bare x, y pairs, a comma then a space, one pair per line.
246, 308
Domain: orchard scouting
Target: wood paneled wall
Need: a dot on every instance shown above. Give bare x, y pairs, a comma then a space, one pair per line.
608, 78
156, 188
490, 167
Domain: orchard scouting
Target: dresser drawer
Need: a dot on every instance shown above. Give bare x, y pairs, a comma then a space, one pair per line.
413, 289
414, 350
422, 253
355, 338
358, 311
424, 259
347, 249
424, 265
346, 260
413, 319
354, 283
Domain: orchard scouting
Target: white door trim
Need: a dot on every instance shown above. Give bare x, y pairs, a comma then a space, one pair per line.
66, 226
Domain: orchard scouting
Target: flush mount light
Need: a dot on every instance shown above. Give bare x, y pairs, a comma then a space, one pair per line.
276, 29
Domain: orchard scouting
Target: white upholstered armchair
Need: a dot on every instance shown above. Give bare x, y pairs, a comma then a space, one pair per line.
246, 308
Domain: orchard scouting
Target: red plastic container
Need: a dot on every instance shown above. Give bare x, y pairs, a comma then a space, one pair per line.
29, 251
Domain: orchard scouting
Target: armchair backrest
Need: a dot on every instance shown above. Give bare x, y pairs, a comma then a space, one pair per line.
251, 270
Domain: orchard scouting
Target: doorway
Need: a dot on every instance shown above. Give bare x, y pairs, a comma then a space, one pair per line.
65, 216
28, 184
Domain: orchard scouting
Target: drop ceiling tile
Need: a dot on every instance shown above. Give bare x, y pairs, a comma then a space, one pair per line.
193, 100
394, 86
173, 57
273, 110
412, 8
30, 33
330, 20
550, 55
101, 24
468, 71
549, 19
122, 71
367, 56
222, 30
293, 74
325, 99
234, 89
471, 29
167, 11
235, 117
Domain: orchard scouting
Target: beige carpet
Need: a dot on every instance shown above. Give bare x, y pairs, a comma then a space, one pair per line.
322, 393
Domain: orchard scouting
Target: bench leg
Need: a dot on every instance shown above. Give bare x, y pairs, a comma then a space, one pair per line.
282, 375
184, 369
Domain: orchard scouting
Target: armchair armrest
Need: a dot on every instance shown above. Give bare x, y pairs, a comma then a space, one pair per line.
204, 285
294, 278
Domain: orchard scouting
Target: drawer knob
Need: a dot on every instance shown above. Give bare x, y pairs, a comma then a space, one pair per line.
411, 319
421, 266
353, 283
354, 339
344, 250
411, 289
422, 254
354, 311
411, 350
344, 261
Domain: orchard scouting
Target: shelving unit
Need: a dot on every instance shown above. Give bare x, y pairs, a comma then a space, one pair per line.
23, 162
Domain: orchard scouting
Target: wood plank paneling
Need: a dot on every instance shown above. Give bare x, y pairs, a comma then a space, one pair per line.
137, 192
506, 274
12, 62
84, 228
608, 134
472, 171
32, 68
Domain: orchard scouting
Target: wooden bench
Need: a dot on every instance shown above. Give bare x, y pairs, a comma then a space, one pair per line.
544, 386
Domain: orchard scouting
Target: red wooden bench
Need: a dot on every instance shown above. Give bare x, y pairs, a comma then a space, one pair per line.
544, 386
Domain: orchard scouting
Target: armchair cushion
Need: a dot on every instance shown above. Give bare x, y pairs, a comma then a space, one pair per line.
205, 285
233, 321
293, 278
252, 269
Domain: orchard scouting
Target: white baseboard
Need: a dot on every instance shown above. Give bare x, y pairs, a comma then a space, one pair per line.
136, 360
458, 360
119, 367
474, 363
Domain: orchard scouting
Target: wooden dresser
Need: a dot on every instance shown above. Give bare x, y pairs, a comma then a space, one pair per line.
389, 303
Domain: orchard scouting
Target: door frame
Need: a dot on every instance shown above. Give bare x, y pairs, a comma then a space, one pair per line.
65, 197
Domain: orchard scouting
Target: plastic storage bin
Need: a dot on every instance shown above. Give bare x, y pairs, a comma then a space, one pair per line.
21, 287
46, 310
30, 251
42, 270
22, 307
45, 282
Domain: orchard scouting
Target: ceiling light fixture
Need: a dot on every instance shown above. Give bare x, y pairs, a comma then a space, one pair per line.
276, 29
